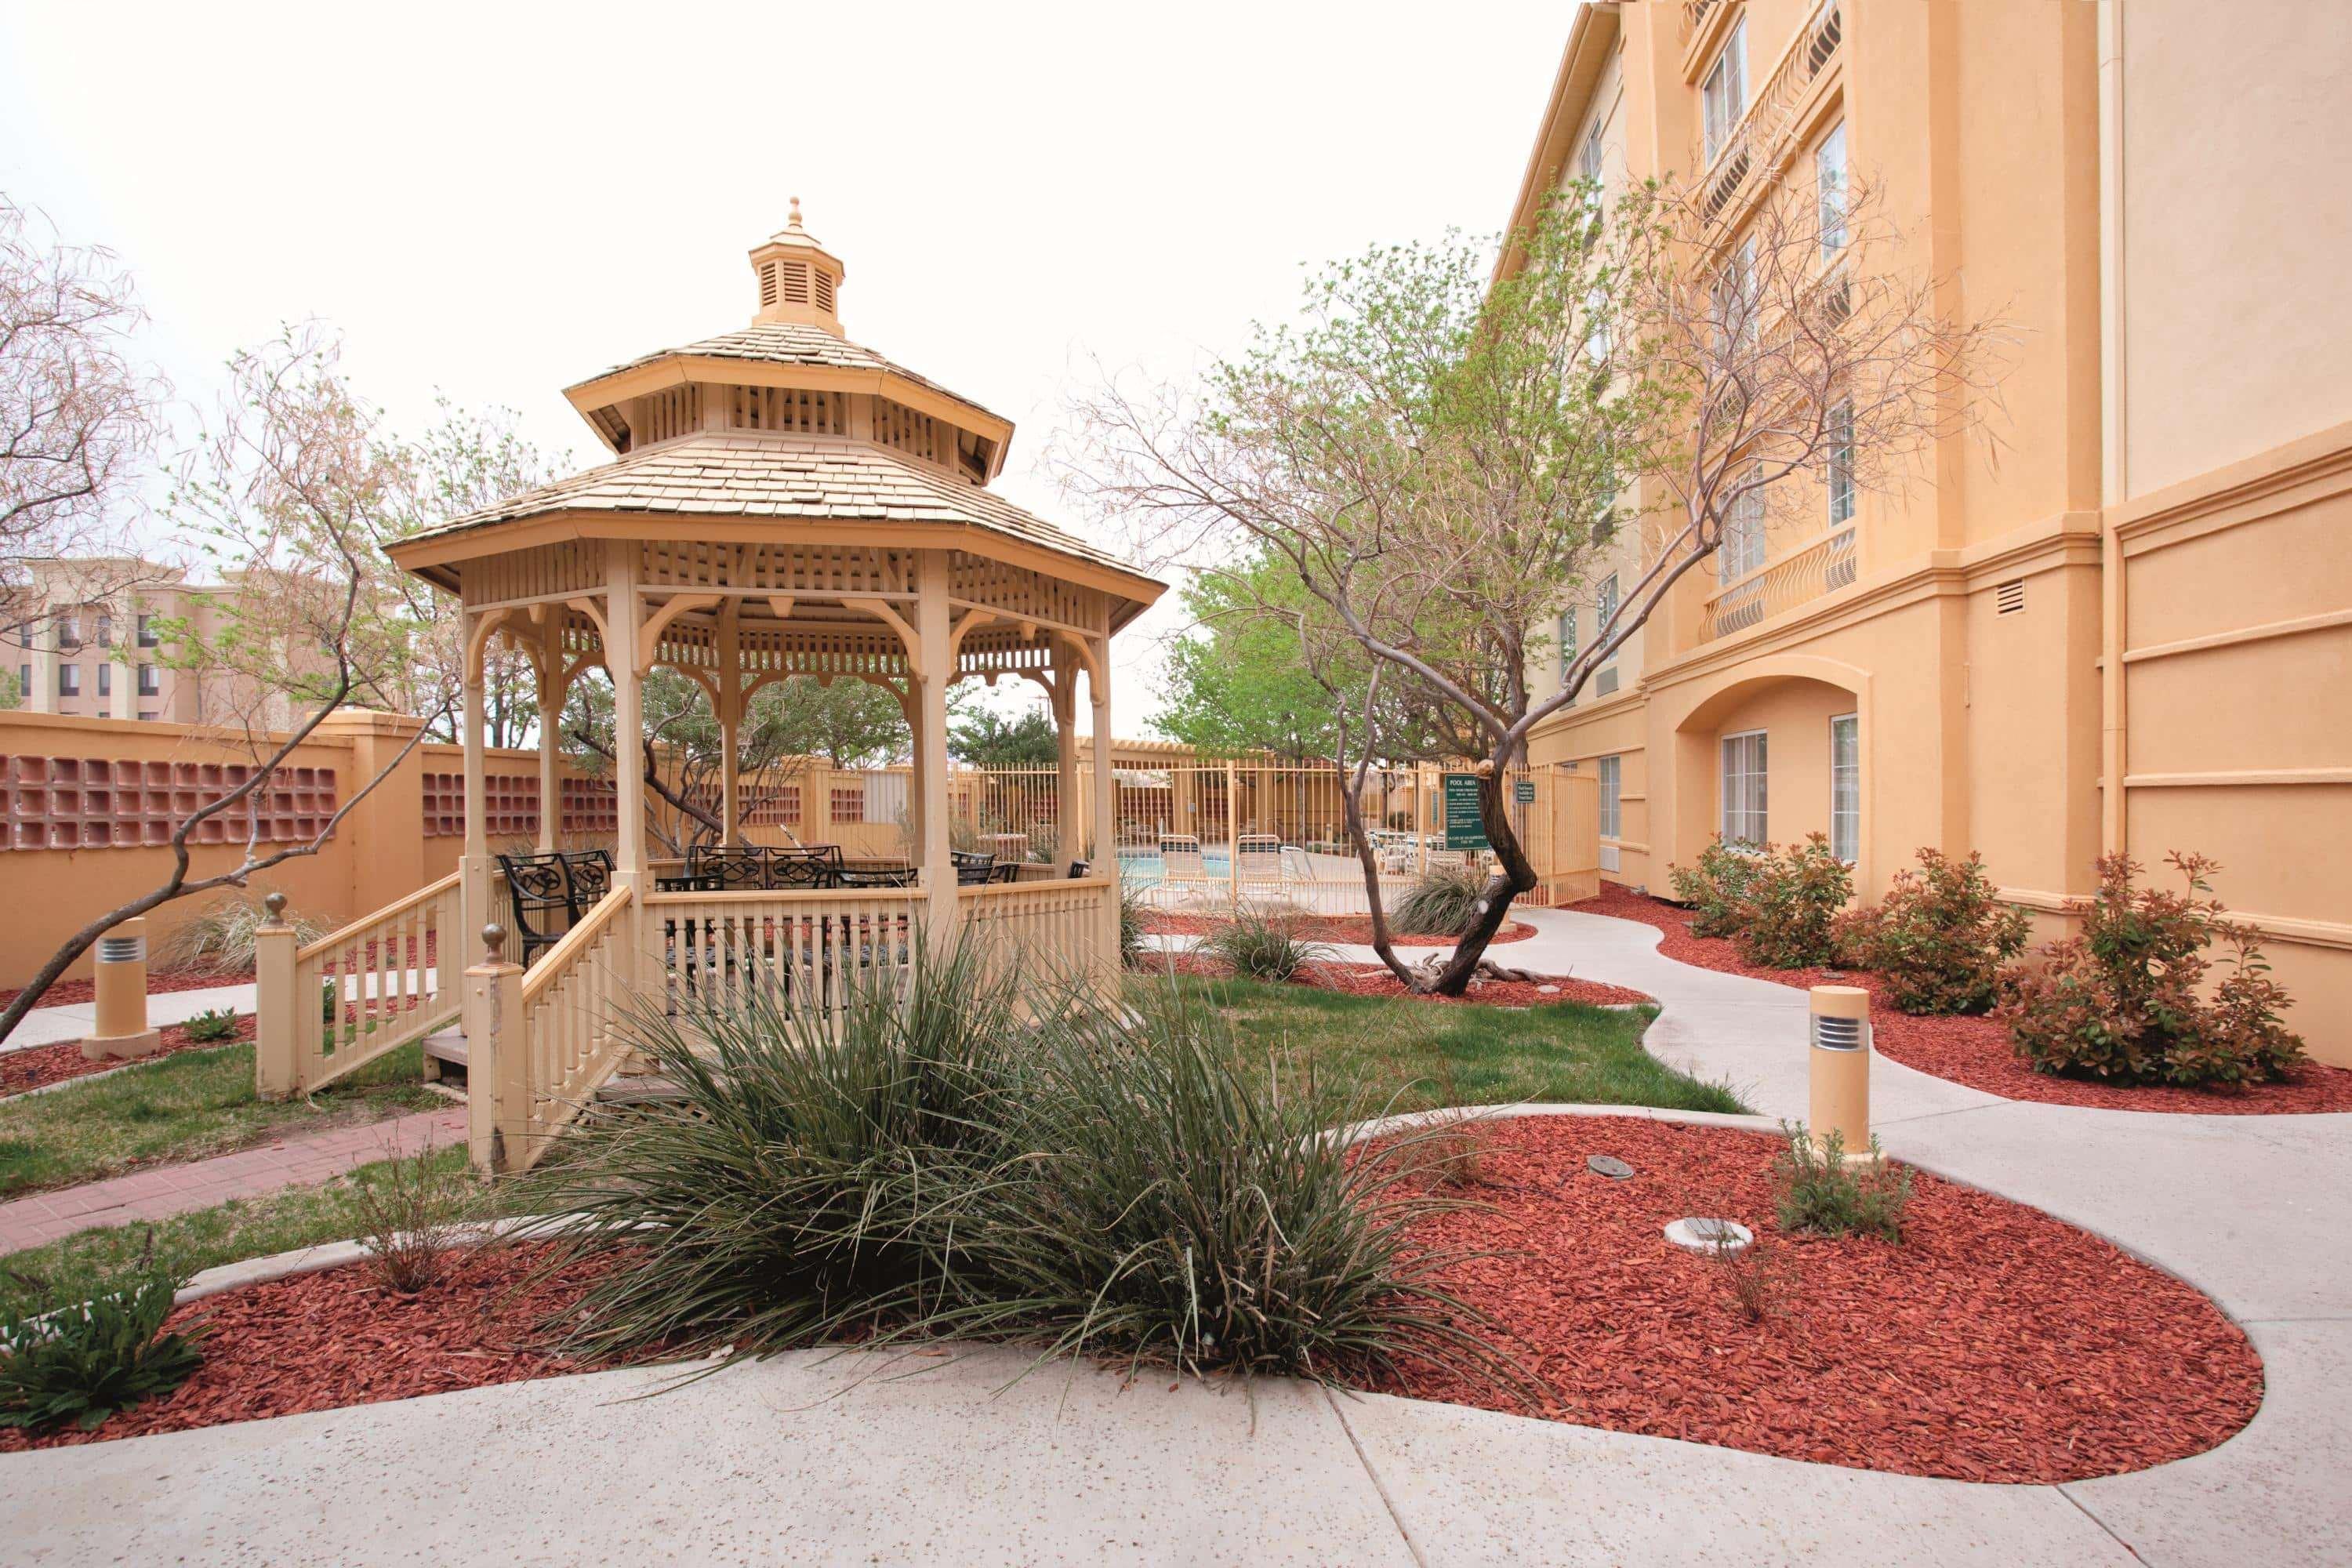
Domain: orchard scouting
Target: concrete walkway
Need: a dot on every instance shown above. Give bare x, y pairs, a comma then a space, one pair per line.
811, 1458
54, 1025
162, 1191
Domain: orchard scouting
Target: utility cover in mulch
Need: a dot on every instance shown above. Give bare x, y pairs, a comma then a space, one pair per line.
1976, 1051
1374, 980
38, 1067
1992, 1343
1328, 928
319, 1341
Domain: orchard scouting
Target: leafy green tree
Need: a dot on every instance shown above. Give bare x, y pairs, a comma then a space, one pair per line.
1239, 681
980, 736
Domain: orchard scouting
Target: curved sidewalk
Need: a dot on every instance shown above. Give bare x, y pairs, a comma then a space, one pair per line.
800, 1459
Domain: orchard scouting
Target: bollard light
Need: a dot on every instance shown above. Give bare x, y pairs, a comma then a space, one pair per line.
1840, 1057
121, 985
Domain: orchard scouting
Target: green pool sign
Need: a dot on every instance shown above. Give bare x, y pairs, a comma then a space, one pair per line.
1464, 827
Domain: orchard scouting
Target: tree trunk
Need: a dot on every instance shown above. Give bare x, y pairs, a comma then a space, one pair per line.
1517, 877
1351, 808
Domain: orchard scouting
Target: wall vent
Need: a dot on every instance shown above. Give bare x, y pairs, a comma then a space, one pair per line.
767, 284
823, 289
1603, 684
2008, 598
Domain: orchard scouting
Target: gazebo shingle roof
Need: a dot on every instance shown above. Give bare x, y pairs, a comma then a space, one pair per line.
742, 473
790, 342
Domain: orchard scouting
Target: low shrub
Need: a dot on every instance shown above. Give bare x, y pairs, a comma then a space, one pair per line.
1262, 947
219, 939
1788, 914
410, 1212
213, 1024
1444, 900
84, 1362
1717, 887
1939, 939
1820, 1192
1756, 1277
2128, 999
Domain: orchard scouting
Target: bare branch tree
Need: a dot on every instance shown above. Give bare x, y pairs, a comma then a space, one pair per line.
1444, 465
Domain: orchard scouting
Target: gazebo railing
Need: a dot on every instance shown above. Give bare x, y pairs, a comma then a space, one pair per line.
1055, 928
812, 946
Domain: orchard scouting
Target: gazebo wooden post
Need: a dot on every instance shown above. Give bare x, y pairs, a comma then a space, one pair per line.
623, 614
1065, 761
931, 634
475, 885
550, 727
731, 720
1106, 852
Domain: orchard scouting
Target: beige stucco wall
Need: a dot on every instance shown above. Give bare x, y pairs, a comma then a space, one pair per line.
2237, 215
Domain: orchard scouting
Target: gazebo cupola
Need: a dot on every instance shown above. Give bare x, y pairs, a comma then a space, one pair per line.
799, 280
791, 372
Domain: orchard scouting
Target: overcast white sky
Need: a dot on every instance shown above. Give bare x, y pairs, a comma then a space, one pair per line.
495, 200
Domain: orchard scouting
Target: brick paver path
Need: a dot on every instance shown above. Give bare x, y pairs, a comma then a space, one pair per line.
167, 1190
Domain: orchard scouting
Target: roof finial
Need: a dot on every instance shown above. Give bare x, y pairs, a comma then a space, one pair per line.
795, 222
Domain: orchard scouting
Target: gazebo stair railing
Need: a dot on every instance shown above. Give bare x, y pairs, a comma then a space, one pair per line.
324, 1011
540, 1043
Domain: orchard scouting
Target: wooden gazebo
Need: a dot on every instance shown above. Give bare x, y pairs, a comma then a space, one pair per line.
782, 501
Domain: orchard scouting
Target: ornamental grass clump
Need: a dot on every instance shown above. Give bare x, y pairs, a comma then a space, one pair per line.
1819, 1191
1445, 901
995, 1156
1939, 939
221, 938
810, 1175
412, 1212
82, 1363
2130, 998
1262, 947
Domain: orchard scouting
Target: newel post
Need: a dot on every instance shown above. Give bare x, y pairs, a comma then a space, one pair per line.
498, 1087
276, 1071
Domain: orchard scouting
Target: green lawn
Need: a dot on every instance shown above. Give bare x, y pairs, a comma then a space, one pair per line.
80, 1264
184, 1107
1412, 1056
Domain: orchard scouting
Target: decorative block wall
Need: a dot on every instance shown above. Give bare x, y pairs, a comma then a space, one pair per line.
513, 803
591, 806
93, 803
778, 805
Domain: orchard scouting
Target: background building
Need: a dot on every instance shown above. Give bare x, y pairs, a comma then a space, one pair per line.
93, 639
2128, 627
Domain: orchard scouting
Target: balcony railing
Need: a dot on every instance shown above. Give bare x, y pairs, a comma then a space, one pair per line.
1751, 144
1826, 564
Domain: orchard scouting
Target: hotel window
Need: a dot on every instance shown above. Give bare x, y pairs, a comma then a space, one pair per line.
1724, 96
70, 630
69, 680
1605, 612
1840, 466
147, 638
106, 680
149, 683
1743, 788
1567, 641
1845, 787
1830, 176
1742, 550
1612, 819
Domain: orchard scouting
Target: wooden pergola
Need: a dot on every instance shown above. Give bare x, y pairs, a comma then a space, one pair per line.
785, 503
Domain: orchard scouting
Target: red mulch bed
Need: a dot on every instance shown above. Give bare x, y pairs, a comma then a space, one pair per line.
1328, 928
1374, 980
78, 993
37, 1066
321, 1341
1976, 1051
1993, 1344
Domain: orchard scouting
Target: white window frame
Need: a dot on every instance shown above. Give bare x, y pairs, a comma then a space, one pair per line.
1839, 478
1743, 546
1831, 185
1567, 630
1723, 91
1611, 771
1845, 822
1604, 613
1746, 788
